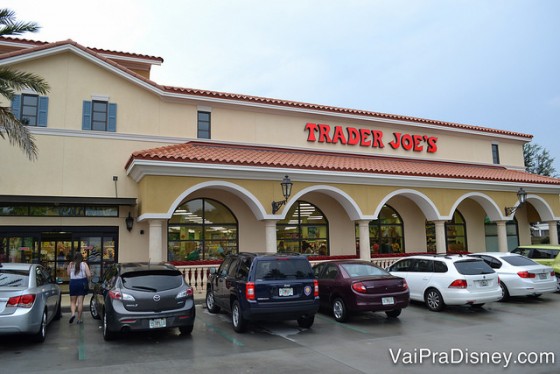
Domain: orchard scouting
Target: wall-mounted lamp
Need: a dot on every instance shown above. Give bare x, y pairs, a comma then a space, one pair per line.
286, 191
129, 222
522, 197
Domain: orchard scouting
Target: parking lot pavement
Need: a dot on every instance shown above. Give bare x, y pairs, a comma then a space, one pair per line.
419, 341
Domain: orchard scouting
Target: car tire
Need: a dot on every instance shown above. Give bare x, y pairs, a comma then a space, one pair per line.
40, 336
58, 313
306, 321
434, 300
505, 292
393, 313
186, 330
211, 303
107, 335
339, 310
237, 320
93, 308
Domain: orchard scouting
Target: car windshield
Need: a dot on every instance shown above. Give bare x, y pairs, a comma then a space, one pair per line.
14, 278
518, 260
358, 270
152, 281
473, 267
277, 269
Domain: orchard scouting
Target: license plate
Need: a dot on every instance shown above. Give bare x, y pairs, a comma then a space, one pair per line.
387, 300
286, 292
483, 283
157, 323
542, 276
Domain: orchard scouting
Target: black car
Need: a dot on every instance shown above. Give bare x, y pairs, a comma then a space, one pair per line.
255, 286
142, 297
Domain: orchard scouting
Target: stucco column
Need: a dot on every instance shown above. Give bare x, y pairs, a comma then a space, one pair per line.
155, 248
502, 236
553, 232
441, 244
270, 235
365, 253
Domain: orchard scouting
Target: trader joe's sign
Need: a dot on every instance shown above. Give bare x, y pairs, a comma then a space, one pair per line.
322, 133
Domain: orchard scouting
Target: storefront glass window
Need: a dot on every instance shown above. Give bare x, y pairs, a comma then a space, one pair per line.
201, 229
491, 234
60, 210
305, 230
455, 234
385, 233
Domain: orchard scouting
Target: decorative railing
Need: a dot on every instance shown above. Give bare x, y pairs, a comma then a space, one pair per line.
196, 272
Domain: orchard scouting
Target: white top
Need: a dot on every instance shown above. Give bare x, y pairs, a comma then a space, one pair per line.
81, 274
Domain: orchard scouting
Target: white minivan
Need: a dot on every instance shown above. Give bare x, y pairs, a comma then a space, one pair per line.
439, 280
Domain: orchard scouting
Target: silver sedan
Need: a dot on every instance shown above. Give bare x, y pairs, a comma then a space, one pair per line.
29, 300
519, 275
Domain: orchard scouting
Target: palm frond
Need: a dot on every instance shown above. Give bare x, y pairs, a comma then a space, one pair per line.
17, 133
14, 80
12, 27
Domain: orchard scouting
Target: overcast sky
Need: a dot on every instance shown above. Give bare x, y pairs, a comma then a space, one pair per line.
480, 62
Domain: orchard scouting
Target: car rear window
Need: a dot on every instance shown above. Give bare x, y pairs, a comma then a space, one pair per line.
14, 278
277, 269
473, 267
154, 281
518, 260
358, 270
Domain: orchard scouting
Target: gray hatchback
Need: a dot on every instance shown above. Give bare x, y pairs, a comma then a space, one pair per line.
29, 300
142, 297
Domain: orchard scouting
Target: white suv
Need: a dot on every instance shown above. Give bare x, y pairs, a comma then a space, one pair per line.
440, 280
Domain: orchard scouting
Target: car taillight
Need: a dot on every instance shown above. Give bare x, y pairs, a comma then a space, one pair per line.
552, 274
316, 288
458, 283
525, 274
23, 301
359, 287
115, 295
185, 293
404, 284
250, 291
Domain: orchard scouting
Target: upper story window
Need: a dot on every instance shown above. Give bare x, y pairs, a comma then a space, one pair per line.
495, 154
203, 125
31, 109
99, 115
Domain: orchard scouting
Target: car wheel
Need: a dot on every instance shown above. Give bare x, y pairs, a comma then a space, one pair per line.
306, 321
58, 313
434, 300
237, 320
186, 330
40, 336
211, 303
505, 292
393, 313
339, 310
93, 309
107, 335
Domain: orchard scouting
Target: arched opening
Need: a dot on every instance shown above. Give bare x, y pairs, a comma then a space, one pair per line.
386, 234
201, 229
455, 234
304, 230
491, 234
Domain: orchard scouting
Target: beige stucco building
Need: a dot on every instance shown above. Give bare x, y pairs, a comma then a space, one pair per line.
197, 172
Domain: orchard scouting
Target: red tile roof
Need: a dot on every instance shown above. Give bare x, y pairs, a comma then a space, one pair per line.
254, 99
227, 154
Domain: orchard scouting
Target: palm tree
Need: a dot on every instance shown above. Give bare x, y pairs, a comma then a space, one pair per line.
12, 81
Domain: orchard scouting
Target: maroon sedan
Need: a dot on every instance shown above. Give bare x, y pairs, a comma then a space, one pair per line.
351, 286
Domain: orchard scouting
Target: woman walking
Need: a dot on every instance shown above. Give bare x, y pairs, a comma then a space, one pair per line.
80, 275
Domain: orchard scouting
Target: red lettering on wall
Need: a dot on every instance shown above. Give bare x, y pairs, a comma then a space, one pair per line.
377, 139
338, 136
432, 146
396, 143
312, 128
417, 139
353, 135
324, 133
364, 134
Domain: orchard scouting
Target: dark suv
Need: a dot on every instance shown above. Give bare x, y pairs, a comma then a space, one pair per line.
142, 297
255, 286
